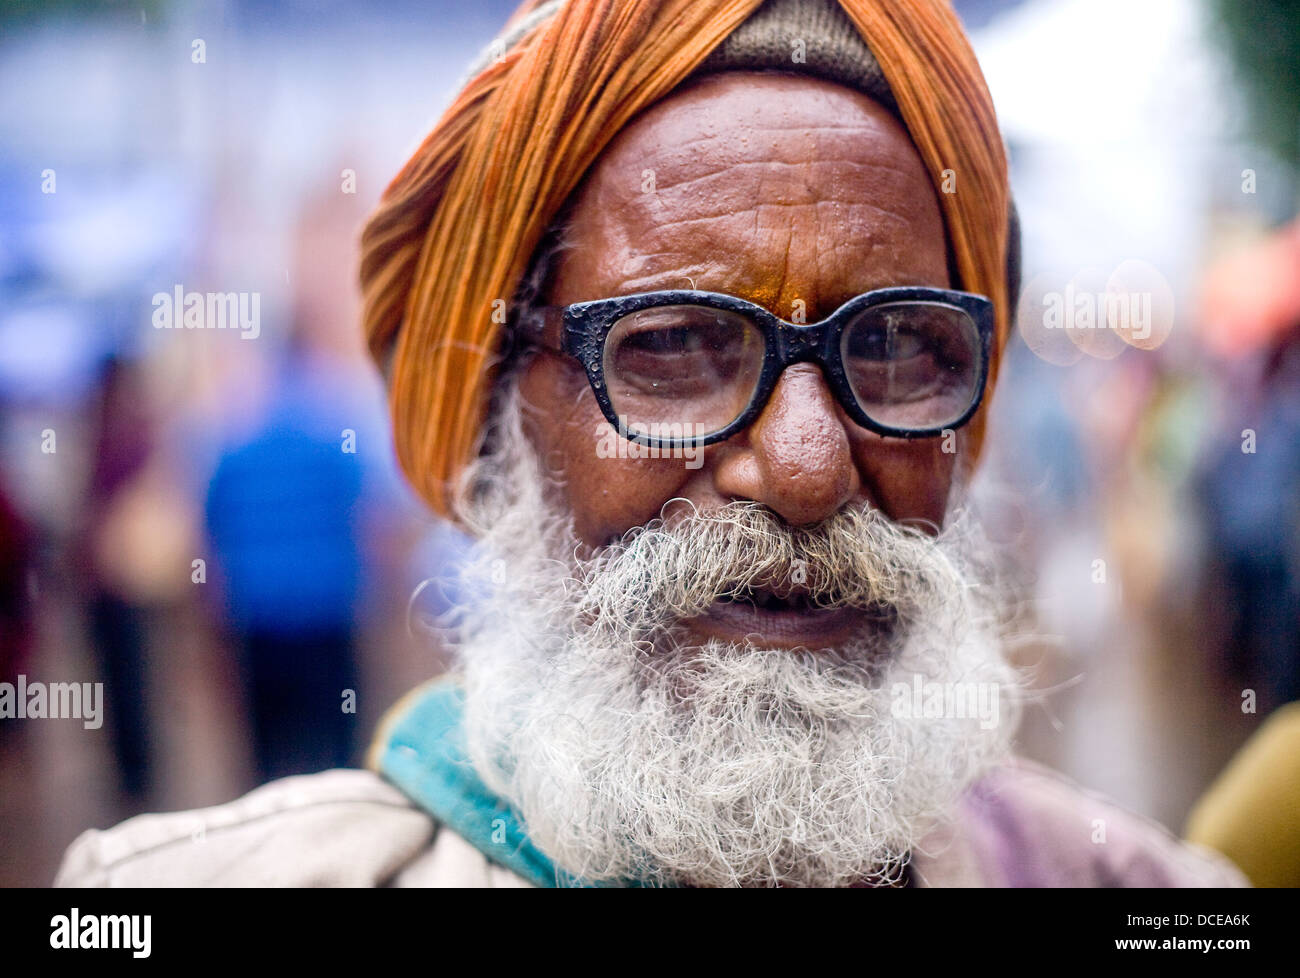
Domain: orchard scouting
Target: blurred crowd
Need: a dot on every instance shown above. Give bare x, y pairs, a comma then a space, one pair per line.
199, 518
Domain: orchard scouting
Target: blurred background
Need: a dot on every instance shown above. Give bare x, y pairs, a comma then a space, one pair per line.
200, 518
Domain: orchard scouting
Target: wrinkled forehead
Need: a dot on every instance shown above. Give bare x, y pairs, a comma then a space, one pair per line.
766, 185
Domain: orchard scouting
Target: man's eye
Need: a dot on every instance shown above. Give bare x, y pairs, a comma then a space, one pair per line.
670, 341
685, 352
884, 344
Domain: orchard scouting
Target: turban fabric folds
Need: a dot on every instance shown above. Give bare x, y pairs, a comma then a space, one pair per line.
456, 229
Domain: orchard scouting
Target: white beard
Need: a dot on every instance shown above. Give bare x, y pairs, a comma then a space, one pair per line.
630, 756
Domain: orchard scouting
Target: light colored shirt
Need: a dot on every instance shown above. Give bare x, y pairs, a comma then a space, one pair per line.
1022, 825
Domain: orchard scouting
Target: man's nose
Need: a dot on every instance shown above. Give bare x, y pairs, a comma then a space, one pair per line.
796, 458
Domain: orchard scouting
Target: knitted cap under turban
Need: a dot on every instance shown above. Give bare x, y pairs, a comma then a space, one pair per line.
456, 230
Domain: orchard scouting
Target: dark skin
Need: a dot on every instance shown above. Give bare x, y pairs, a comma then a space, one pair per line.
773, 188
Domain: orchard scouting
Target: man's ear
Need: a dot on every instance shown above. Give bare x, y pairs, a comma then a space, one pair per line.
386, 369
1013, 255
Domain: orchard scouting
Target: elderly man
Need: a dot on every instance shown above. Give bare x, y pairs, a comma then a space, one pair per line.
690, 311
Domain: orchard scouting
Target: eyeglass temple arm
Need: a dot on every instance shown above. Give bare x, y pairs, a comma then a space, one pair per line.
542, 326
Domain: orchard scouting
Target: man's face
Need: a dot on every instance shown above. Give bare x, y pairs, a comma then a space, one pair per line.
781, 190
635, 687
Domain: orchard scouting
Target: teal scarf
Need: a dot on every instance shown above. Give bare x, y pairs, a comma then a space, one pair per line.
423, 753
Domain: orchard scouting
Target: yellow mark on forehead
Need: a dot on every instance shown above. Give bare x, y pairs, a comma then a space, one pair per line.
766, 293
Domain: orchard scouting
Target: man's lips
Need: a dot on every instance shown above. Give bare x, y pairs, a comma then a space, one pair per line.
791, 620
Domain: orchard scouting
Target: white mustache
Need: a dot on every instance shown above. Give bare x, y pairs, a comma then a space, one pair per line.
856, 558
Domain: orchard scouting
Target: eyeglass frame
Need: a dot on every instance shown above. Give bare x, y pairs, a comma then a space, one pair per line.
579, 330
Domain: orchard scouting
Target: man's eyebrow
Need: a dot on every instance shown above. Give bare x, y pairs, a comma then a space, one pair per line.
679, 282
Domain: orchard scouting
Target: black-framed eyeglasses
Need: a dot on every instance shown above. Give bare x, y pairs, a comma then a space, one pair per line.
685, 367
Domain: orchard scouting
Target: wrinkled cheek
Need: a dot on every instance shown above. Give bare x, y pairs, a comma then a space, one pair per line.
608, 496
910, 481
608, 484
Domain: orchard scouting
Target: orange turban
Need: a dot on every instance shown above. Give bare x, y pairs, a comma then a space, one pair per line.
456, 229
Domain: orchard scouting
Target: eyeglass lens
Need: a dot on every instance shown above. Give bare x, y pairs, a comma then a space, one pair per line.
912, 364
